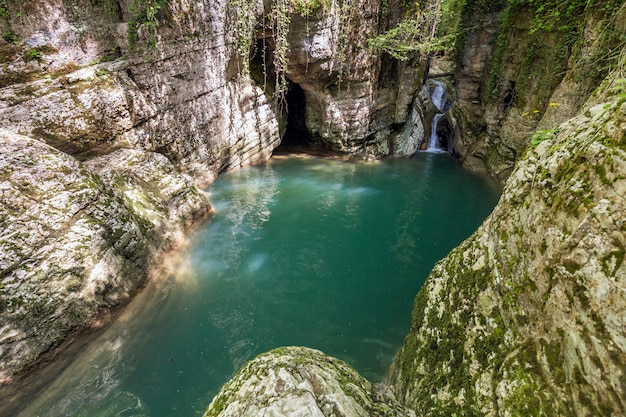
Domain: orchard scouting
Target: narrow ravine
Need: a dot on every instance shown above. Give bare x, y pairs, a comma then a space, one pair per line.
302, 251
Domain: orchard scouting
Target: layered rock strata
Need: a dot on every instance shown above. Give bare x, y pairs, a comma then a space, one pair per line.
356, 102
523, 67
179, 97
77, 239
136, 104
526, 317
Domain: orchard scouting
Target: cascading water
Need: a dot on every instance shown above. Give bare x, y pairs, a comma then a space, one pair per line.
433, 142
439, 98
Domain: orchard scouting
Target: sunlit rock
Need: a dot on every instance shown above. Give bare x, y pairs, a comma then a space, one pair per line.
298, 381
527, 316
74, 243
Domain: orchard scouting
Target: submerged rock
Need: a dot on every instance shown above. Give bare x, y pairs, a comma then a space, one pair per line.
298, 381
73, 243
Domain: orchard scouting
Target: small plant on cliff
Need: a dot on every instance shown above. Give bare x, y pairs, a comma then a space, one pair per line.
307, 7
542, 135
10, 37
620, 89
144, 17
417, 34
33, 55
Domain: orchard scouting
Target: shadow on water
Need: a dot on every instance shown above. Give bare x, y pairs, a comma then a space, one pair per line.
311, 251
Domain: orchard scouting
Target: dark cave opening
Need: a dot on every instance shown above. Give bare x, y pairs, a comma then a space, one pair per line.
445, 134
296, 133
296, 136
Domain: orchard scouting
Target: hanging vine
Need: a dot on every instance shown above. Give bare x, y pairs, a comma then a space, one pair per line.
415, 34
278, 19
343, 37
242, 14
145, 16
281, 22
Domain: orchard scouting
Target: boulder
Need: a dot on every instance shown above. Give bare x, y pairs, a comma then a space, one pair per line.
302, 382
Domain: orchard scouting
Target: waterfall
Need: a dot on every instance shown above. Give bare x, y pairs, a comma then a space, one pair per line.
439, 97
433, 142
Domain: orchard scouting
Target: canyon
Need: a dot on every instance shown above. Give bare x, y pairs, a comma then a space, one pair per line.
115, 114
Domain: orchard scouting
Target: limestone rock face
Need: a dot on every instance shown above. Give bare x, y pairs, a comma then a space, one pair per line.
177, 86
74, 243
507, 86
352, 104
174, 93
297, 381
527, 316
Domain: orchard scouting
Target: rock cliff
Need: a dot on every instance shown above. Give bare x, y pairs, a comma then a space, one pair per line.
136, 104
172, 91
527, 316
112, 113
523, 65
357, 101
76, 238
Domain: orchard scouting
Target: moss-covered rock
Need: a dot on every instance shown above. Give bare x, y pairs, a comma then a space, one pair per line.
526, 317
523, 65
298, 381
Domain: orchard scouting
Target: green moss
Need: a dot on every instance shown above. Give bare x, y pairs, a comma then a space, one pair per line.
33, 55
554, 356
145, 15
600, 170
11, 37
579, 291
488, 348
437, 343
307, 7
554, 38
613, 261
571, 266
523, 401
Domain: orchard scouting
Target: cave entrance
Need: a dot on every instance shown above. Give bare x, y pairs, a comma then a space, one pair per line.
296, 135
262, 71
445, 134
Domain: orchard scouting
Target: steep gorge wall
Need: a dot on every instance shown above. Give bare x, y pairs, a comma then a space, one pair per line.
135, 104
526, 317
523, 65
357, 102
173, 92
